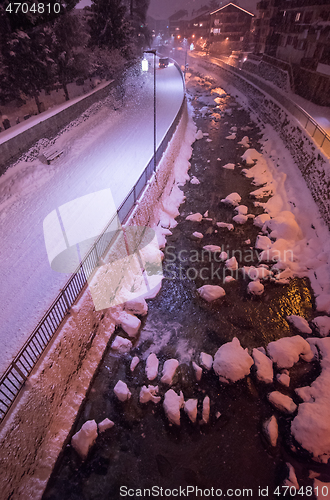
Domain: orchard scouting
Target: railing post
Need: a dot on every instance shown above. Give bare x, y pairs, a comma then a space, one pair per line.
19, 371
66, 301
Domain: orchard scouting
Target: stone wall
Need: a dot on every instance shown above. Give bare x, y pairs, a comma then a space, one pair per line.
12, 149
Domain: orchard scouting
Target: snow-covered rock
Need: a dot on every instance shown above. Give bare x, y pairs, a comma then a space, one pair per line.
211, 292
233, 199
285, 352
263, 242
105, 424
121, 345
229, 166
199, 135
198, 235
240, 219
283, 379
264, 366
190, 407
134, 363
149, 394
291, 479
137, 306
152, 366
232, 362
282, 402
206, 360
260, 220
198, 370
84, 439
195, 217
227, 225
194, 180
255, 288
299, 323
121, 390
231, 136
250, 155
322, 324
231, 263
228, 279
241, 209
245, 142
213, 249
271, 430
206, 410
129, 323
172, 406
169, 370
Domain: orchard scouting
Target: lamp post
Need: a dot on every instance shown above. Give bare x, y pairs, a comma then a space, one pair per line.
153, 51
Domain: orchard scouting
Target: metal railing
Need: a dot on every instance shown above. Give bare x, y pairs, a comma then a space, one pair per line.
319, 135
22, 365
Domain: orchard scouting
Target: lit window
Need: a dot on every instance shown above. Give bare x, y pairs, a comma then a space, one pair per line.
200, 25
298, 15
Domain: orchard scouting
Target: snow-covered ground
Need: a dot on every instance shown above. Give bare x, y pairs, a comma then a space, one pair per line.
102, 149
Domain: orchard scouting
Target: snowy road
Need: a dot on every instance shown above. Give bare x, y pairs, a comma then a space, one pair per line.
108, 150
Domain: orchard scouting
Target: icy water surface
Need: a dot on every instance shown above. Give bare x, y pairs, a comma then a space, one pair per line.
230, 452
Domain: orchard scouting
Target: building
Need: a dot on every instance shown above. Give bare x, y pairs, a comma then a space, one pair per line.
230, 29
296, 33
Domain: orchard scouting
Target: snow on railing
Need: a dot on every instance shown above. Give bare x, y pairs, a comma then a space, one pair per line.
24, 362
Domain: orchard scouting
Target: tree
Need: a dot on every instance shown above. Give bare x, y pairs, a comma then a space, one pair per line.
69, 50
108, 26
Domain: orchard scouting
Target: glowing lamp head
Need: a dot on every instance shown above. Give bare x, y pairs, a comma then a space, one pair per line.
145, 64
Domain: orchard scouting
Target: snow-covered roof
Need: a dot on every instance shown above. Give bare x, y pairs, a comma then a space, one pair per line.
227, 5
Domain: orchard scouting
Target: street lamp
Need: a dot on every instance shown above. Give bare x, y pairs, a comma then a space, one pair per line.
153, 51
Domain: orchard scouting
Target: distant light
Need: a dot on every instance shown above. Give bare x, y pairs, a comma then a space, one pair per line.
179, 36
227, 38
245, 58
192, 46
145, 65
193, 36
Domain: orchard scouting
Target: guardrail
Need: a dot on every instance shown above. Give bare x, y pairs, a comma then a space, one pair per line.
22, 365
319, 135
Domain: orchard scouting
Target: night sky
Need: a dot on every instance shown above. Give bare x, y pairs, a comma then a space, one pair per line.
163, 9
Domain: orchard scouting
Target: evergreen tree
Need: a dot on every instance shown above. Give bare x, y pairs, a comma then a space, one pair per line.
108, 26
69, 50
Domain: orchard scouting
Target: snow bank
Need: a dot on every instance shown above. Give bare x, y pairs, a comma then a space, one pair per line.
311, 426
264, 366
172, 406
286, 351
211, 292
169, 370
232, 362
250, 156
84, 439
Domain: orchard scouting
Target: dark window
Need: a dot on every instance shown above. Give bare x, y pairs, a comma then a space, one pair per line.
308, 17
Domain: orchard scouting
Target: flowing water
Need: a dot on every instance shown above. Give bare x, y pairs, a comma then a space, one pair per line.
143, 450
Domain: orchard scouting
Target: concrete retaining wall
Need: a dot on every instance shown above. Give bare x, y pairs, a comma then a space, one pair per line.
12, 149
